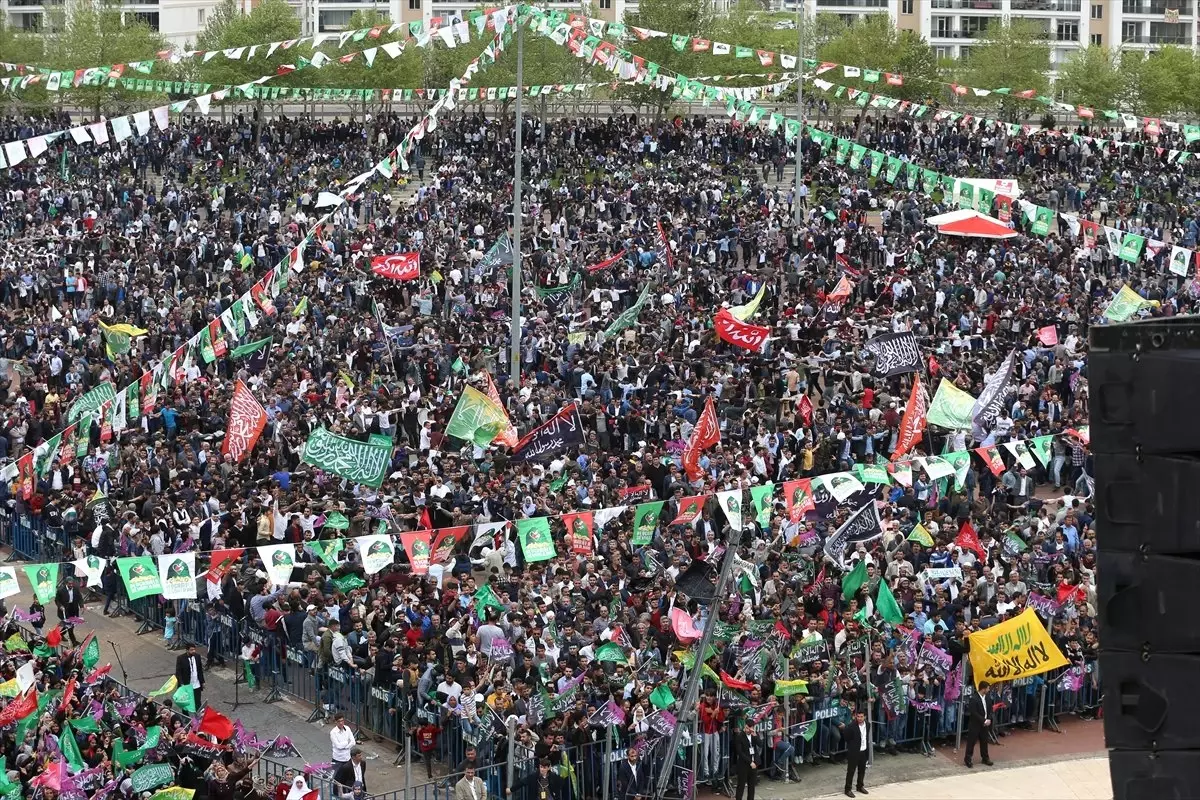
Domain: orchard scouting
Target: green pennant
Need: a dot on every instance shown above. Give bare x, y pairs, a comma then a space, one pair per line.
645, 522
886, 605
854, 580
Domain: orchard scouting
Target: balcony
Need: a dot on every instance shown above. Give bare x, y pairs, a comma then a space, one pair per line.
25, 3
968, 5
1157, 8
1048, 6
825, 4
1183, 41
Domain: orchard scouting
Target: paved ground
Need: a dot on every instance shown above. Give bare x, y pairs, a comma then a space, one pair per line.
1078, 779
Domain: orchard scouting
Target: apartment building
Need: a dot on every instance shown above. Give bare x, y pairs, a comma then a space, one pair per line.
952, 27
179, 21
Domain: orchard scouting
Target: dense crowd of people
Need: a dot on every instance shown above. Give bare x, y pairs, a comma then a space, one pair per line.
155, 233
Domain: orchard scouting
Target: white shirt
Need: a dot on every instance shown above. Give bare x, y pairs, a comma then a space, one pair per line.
983, 700
862, 737
341, 739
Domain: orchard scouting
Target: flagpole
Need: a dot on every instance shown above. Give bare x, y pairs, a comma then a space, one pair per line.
691, 693
870, 702
799, 106
387, 340
514, 335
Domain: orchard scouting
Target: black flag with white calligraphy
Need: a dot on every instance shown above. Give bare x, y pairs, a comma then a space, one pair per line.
894, 354
996, 395
558, 433
863, 526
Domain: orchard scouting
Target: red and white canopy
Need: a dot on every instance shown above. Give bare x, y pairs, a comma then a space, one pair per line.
966, 222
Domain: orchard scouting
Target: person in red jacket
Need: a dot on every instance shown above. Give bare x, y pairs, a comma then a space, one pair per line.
426, 743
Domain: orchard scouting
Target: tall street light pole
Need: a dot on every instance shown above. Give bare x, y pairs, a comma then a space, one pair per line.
799, 106
514, 364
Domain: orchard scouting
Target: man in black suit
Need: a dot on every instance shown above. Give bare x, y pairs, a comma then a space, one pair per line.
633, 777
979, 724
68, 599
351, 773
746, 756
857, 737
189, 671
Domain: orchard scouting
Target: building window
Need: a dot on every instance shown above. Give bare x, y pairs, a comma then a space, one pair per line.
1067, 32
200, 17
941, 52
906, 6
943, 26
1097, 39
1097, 11
1130, 31
964, 52
606, 3
414, 5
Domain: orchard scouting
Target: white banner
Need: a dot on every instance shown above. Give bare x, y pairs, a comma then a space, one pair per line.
376, 551
731, 504
90, 569
841, 485
177, 574
8, 582
279, 559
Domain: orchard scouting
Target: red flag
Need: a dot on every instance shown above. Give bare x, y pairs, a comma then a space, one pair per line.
217, 338
1048, 335
425, 523
935, 368
213, 723
606, 263
742, 334
580, 527
96, 674
398, 266
844, 264
805, 408
20, 708
444, 543
68, 695
54, 637
222, 561
967, 539
840, 292
418, 557
1084, 435
913, 423
734, 683
690, 509
247, 419
798, 497
706, 433
991, 457
1068, 593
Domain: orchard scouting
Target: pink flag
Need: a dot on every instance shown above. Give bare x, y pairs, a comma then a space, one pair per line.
1048, 335
683, 626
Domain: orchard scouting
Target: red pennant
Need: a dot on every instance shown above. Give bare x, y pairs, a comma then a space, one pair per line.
54, 637
734, 683
968, 539
706, 433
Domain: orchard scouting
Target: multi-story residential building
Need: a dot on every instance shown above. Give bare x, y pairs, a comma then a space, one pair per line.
179, 21
953, 26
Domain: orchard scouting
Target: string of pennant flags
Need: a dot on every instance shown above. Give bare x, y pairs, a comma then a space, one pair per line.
173, 576
449, 31
999, 195
598, 28
406, 94
139, 122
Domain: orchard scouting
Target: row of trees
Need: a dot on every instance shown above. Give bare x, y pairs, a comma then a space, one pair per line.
1015, 54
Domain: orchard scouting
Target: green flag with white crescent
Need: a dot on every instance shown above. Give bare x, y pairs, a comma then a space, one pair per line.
535, 539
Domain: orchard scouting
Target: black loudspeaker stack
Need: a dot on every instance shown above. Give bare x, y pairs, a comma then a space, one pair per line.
1144, 383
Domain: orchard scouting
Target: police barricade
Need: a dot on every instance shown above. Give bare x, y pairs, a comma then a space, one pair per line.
26, 539
6, 526
1073, 690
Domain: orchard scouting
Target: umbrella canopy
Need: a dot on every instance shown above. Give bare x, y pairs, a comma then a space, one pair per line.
970, 223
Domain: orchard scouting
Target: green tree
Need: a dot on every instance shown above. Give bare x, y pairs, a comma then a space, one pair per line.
383, 71
684, 18
1092, 77
22, 48
1014, 54
1166, 82
874, 42
90, 34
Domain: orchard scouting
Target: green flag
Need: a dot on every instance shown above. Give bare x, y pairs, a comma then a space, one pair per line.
887, 606
535, 539
645, 521
630, 315
44, 579
172, 683
301, 307
458, 367
760, 496
365, 463
86, 724
661, 697
854, 579
185, 698
1125, 304
16, 644
484, 598
1131, 247
476, 418
1040, 446
348, 583
174, 793
251, 348
140, 575
611, 651
327, 550
951, 407
70, 750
